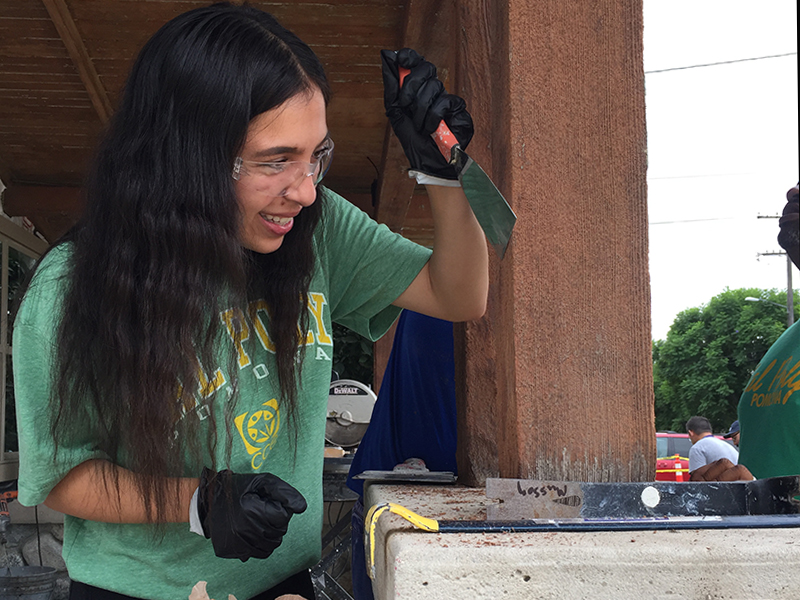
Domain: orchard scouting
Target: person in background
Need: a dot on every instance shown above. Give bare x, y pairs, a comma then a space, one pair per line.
172, 352
769, 408
705, 447
733, 433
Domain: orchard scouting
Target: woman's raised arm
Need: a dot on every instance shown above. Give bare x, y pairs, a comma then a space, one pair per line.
454, 284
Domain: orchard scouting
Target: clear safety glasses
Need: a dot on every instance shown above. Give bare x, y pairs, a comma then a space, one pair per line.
280, 178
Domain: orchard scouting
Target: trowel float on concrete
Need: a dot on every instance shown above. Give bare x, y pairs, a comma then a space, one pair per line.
407, 477
412, 470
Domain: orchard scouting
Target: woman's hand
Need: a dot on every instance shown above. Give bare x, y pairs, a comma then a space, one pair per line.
246, 515
415, 105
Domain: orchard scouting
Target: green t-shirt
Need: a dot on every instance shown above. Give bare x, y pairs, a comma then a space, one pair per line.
361, 268
769, 411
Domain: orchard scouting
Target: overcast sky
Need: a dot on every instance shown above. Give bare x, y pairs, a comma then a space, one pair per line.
722, 146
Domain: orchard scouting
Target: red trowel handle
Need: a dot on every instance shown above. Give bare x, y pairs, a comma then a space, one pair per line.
444, 138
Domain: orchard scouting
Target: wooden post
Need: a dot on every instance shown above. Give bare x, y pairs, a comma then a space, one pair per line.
559, 374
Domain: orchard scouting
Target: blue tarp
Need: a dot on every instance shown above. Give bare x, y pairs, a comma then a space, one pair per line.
415, 413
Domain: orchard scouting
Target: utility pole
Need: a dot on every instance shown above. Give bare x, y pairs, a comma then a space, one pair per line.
789, 291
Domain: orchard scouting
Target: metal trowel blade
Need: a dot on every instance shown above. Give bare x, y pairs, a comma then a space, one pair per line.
490, 207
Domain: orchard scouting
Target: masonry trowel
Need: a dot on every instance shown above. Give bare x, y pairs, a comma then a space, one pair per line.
490, 208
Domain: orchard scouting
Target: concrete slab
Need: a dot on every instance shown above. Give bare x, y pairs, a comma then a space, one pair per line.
697, 564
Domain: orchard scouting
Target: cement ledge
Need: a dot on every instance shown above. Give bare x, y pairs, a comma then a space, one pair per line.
698, 564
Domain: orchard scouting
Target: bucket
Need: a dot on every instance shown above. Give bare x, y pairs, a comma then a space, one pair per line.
27, 583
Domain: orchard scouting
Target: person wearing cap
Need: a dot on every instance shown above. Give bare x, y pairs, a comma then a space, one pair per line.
733, 433
769, 408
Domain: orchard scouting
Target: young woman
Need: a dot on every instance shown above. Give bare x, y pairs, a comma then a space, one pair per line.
172, 353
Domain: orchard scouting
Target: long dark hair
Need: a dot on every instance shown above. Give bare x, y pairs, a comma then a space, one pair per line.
156, 255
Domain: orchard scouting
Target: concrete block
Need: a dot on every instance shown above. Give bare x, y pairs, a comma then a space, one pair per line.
670, 564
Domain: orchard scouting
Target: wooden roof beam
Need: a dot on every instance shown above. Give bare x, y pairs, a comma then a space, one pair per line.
429, 27
68, 31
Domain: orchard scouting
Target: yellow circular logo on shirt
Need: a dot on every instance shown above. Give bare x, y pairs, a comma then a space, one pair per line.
259, 431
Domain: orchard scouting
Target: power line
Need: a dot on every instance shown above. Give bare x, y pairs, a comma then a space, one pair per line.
690, 221
702, 176
713, 219
725, 62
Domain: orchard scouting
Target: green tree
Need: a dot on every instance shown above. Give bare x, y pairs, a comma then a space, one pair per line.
710, 351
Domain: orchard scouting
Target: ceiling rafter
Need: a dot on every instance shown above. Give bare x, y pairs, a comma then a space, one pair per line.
68, 31
428, 28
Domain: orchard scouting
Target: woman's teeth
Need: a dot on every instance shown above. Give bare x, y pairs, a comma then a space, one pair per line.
277, 220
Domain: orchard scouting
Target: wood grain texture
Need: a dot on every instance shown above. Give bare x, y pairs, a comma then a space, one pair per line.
65, 25
557, 92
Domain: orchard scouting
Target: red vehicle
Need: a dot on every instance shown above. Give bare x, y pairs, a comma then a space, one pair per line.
672, 450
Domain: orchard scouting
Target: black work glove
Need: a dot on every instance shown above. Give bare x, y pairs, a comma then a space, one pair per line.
416, 108
789, 236
246, 516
